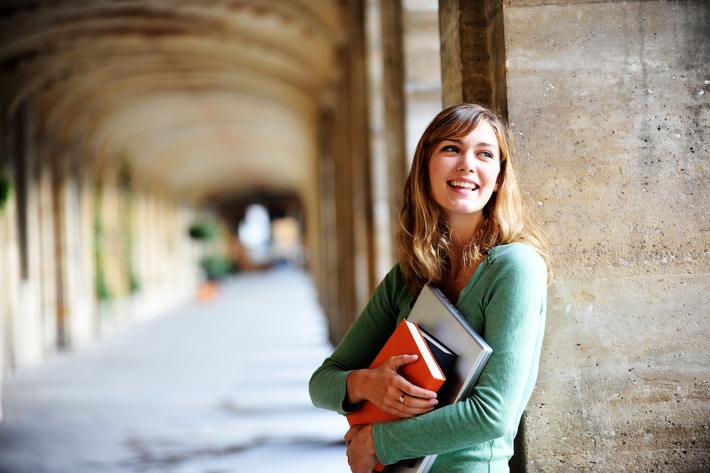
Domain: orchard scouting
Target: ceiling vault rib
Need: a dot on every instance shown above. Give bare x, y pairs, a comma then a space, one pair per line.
200, 97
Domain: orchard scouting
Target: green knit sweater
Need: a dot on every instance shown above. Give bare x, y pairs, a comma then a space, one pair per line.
505, 302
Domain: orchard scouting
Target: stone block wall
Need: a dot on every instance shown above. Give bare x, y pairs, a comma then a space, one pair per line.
610, 103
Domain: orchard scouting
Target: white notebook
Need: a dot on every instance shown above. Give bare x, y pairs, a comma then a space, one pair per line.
435, 314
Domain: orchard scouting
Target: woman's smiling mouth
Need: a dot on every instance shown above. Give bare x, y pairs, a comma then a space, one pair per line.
456, 184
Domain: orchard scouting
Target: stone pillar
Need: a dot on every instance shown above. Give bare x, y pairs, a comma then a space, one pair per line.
76, 322
473, 52
82, 326
27, 334
345, 178
6, 270
47, 261
326, 283
359, 156
405, 93
9, 254
422, 74
63, 215
395, 113
383, 213
611, 110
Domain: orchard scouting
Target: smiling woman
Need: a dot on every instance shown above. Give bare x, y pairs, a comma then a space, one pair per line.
504, 217
463, 174
464, 230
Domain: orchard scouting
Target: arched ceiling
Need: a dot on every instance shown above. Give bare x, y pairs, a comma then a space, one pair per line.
213, 99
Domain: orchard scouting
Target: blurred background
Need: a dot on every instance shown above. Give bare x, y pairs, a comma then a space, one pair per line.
198, 198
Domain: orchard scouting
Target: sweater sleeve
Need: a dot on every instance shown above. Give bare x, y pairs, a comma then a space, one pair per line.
361, 344
510, 297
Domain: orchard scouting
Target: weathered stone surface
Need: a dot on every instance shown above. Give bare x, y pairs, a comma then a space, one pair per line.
610, 107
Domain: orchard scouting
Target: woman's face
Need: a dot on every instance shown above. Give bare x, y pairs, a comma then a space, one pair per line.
463, 174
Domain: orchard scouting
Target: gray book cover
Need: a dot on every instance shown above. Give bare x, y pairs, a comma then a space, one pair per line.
433, 312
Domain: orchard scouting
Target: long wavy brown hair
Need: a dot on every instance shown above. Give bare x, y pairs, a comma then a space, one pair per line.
423, 239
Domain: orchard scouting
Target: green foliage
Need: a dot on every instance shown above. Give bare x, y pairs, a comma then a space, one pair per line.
103, 293
203, 231
135, 285
215, 267
127, 227
5, 189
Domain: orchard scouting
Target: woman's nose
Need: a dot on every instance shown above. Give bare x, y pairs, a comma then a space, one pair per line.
467, 161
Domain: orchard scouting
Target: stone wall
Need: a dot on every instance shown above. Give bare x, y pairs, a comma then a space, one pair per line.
610, 103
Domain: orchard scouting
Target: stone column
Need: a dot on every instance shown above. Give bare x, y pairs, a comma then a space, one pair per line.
473, 52
28, 340
328, 250
395, 113
6, 270
345, 178
63, 226
405, 81
611, 110
422, 74
359, 156
379, 158
76, 319
47, 261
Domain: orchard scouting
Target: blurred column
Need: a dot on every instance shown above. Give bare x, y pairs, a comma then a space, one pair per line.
473, 52
346, 194
26, 320
47, 260
422, 69
384, 216
76, 321
325, 281
394, 108
9, 252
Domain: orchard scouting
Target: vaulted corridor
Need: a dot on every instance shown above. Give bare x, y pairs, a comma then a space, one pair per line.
213, 386
142, 142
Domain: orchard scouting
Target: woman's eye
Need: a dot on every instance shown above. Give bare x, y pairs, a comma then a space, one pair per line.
486, 154
450, 148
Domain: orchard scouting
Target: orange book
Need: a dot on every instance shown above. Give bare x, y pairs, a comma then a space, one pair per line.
407, 339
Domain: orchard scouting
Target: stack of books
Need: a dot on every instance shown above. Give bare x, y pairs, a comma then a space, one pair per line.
451, 358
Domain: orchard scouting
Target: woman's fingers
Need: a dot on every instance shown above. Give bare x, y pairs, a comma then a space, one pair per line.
398, 361
417, 402
392, 393
402, 384
410, 406
403, 398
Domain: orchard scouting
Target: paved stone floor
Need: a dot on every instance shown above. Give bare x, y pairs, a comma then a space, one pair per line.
218, 387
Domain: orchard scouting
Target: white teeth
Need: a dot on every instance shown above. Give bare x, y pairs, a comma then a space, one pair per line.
466, 185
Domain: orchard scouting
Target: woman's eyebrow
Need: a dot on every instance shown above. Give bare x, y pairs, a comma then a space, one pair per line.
480, 144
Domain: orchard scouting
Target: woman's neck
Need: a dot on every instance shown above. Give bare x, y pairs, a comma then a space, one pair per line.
458, 272
463, 228
457, 278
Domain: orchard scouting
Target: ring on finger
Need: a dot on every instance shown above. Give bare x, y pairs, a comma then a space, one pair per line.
401, 398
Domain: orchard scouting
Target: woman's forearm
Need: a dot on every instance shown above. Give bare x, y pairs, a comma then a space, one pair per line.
354, 383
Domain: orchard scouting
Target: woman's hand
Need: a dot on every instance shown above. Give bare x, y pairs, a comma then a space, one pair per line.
389, 391
360, 449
